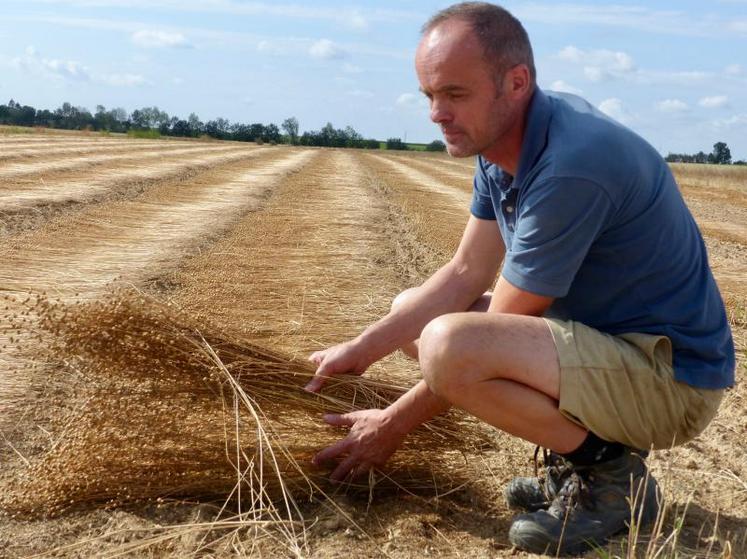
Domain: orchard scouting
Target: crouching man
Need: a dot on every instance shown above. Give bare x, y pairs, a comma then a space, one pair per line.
605, 334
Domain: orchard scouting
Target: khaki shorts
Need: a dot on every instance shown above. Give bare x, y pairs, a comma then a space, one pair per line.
622, 388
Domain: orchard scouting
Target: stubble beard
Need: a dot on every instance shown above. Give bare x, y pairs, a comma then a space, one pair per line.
500, 124
460, 152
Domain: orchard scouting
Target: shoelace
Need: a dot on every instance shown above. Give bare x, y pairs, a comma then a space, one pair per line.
576, 491
556, 468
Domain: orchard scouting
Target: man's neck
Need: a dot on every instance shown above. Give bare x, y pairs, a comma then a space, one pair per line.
506, 152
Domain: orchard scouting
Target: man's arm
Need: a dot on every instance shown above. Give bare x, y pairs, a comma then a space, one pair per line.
453, 288
376, 434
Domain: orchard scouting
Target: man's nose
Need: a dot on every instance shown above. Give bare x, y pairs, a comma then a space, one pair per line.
440, 112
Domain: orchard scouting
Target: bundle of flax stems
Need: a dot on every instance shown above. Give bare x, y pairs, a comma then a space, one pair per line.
164, 408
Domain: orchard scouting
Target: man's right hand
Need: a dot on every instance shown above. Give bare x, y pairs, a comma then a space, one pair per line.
342, 358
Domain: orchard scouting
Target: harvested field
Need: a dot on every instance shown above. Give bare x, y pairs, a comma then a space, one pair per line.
150, 402
30, 201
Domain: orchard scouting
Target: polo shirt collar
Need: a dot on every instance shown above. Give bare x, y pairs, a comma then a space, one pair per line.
535, 134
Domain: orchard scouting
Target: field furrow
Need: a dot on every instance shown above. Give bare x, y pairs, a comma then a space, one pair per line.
429, 180
11, 142
463, 164
437, 210
26, 205
86, 149
456, 174
33, 169
9, 146
122, 238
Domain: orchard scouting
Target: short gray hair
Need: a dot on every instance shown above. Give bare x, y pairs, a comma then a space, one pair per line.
504, 40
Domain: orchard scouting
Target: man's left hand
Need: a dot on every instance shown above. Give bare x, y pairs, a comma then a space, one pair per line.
372, 439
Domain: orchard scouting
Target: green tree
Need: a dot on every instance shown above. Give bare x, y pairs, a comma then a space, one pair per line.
721, 154
290, 127
195, 125
436, 145
396, 144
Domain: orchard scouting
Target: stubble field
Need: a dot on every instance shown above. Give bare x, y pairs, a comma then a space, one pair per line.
293, 249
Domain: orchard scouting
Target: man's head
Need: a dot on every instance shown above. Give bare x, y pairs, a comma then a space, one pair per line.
475, 64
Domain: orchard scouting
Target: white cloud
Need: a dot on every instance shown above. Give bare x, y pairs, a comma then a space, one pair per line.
672, 106
407, 100
356, 19
714, 102
563, 87
324, 49
123, 80
596, 74
71, 70
599, 64
571, 54
159, 39
674, 78
412, 101
33, 63
736, 121
690, 23
615, 109
734, 70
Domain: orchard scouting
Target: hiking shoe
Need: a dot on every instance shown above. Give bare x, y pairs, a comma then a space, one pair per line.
537, 493
593, 504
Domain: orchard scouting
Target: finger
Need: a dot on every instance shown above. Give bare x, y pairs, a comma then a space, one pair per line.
340, 420
343, 469
331, 451
316, 382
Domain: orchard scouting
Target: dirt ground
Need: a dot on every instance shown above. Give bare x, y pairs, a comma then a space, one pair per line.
301, 248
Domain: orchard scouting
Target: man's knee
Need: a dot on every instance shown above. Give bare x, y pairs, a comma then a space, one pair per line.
402, 297
439, 355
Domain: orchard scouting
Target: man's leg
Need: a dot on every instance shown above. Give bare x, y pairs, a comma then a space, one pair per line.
504, 369
509, 378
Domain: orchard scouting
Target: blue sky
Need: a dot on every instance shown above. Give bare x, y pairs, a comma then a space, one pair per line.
676, 72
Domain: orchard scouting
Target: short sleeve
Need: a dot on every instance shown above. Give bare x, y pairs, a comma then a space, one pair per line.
482, 204
557, 221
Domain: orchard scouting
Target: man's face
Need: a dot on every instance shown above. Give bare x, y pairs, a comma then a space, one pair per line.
466, 99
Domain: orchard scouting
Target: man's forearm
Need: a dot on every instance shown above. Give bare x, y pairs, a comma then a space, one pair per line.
415, 407
446, 291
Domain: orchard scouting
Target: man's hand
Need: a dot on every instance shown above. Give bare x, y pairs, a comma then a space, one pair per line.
347, 357
372, 439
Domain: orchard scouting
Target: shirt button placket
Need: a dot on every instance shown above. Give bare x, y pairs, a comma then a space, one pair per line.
509, 210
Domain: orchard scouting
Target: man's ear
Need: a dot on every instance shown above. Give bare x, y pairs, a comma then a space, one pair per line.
518, 81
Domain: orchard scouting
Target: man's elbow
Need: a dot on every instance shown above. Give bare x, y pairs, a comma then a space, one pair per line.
472, 277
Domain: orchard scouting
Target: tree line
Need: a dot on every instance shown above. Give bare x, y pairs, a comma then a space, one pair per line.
158, 123
721, 155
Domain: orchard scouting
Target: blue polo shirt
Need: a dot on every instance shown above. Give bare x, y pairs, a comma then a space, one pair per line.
594, 219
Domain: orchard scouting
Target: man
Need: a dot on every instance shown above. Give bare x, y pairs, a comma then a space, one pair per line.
605, 334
